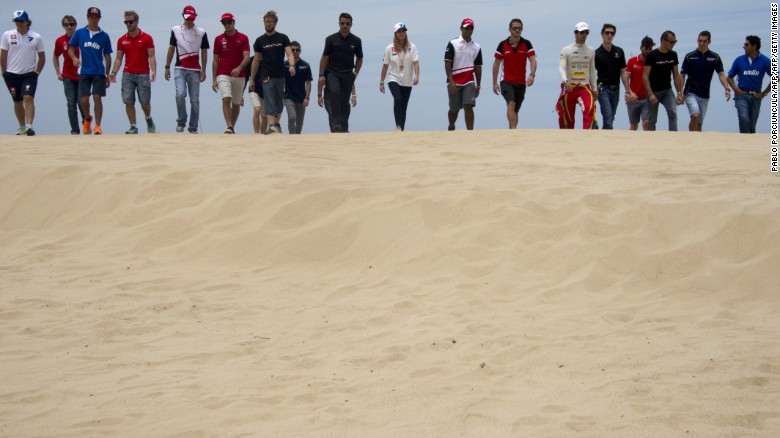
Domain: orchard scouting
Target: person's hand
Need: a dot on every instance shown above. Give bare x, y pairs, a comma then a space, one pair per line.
382, 88
59, 76
416, 80
320, 101
112, 77
292, 70
214, 85
476, 91
680, 99
251, 86
202, 76
495, 89
652, 99
451, 87
728, 94
529, 81
153, 76
236, 72
167, 74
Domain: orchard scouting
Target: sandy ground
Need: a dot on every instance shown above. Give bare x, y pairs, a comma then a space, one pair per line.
480, 284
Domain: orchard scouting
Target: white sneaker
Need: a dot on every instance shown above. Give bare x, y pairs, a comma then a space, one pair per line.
22, 130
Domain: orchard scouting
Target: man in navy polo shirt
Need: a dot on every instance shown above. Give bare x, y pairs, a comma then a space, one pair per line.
750, 68
700, 65
611, 68
94, 61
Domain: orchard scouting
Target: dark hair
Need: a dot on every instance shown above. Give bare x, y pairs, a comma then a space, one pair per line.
665, 35
69, 18
608, 26
345, 15
515, 20
295, 43
706, 33
754, 41
647, 42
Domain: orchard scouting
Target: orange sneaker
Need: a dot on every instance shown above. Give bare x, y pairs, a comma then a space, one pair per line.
98, 131
87, 128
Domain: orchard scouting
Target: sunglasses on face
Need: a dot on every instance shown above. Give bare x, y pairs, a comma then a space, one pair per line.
345, 23
517, 28
671, 42
128, 22
582, 32
609, 32
226, 22
68, 24
296, 50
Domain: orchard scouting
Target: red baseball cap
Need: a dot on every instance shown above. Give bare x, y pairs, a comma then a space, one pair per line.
467, 22
189, 12
227, 16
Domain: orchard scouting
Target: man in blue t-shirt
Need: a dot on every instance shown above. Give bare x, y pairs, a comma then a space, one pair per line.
700, 65
297, 90
94, 61
750, 68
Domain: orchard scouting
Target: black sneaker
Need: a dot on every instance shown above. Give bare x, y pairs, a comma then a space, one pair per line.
30, 131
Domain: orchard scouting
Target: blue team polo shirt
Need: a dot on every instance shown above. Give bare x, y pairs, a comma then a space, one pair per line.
699, 67
91, 50
751, 74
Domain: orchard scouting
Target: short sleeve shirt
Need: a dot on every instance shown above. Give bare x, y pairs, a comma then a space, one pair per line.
230, 49
92, 48
188, 43
342, 51
463, 55
22, 50
295, 86
662, 67
515, 59
609, 64
272, 47
136, 52
69, 70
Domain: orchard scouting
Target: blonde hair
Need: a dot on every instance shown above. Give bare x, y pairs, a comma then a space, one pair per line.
397, 43
133, 14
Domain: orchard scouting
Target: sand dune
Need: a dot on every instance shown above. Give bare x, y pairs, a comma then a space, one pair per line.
489, 283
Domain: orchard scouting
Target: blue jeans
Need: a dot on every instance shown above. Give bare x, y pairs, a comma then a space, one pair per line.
667, 99
748, 107
187, 81
608, 100
71, 87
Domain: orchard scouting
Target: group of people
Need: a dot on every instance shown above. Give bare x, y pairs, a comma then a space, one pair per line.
589, 75
279, 79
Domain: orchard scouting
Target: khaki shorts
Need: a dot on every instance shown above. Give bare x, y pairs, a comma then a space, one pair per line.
232, 87
257, 102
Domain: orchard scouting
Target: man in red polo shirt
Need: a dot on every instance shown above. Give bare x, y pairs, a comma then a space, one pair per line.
138, 47
69, 75
231, 56
514, 51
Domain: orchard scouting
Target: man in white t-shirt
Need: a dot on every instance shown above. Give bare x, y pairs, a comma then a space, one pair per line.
21, 59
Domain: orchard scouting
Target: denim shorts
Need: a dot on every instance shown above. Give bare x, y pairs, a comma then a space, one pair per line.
132, 83
637, 111
695, 105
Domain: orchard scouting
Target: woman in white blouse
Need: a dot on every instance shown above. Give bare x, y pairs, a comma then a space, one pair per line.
402, 68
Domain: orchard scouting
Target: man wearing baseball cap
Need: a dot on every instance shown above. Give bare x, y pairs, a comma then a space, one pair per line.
463, 65
21, 59
190, 70
231, 56
577, 69
94, 62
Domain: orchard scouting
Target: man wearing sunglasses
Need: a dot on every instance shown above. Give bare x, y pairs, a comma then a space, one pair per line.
611, 68
577, 69
139, 72
190, 70
340, 64
751, 68
660, 68
21, 59
69, 75
297, 89
94, 62
231, 56
514, 52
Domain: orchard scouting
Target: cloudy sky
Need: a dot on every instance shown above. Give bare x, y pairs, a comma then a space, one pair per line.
548, 25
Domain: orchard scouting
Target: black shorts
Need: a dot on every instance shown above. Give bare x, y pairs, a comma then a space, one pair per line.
21, 85
92, 84
513, 93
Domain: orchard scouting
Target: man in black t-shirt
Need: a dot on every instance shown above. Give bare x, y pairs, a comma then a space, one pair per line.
660, 66
611, 68
268, 66
340, 64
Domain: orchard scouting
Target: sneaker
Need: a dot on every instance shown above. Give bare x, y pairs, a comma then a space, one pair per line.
180, 128
87, 128
276, 129
150, 128
98, 131
192, 130
230, 130
74, 133
132, 130
398, 128
30, 131
22, 130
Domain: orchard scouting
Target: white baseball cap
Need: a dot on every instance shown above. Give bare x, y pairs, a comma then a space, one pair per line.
579, 27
